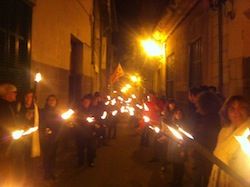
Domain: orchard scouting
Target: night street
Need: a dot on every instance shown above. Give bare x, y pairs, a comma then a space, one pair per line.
124, 93
123, 163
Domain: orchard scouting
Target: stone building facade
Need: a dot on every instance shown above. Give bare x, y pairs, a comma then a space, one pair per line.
63, 40
207, 44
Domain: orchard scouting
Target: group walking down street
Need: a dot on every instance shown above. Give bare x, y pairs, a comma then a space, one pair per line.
124, 93
124, 133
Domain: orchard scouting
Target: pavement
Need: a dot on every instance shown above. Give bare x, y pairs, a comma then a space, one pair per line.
123, 163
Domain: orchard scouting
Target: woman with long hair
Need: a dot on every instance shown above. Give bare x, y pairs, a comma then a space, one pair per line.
235, 119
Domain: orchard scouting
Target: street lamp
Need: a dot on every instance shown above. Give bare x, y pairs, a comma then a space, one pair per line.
153, 48
135, 79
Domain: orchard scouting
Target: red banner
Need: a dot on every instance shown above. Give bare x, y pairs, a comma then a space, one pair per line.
117, 74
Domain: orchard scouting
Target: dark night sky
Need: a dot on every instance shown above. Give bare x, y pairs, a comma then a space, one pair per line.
135, 17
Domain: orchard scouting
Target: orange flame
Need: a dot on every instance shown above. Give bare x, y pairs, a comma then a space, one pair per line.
104, 115
244, 142
114, 112
19, 133
67, 114
146, 119
90, 119
185, 133
175, 133
145, 107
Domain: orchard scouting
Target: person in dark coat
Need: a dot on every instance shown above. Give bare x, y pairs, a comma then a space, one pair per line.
176, 151
49, 128
111, 122
85, 133
11, 153
96, 109
205, 133
8, 123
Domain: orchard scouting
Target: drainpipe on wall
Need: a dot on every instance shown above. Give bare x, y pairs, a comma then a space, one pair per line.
100, 55
220, 46
92, 22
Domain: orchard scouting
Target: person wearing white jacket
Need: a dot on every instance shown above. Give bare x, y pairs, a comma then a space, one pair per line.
235, 113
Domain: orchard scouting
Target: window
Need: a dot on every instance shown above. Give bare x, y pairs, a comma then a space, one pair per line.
195, 76
15, 31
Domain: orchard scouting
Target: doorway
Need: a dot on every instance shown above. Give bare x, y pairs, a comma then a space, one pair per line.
75, 76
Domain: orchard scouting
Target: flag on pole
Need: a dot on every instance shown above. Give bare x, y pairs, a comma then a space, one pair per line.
117, 74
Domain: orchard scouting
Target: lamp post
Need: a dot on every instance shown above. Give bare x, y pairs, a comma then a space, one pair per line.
153, 48
156, 50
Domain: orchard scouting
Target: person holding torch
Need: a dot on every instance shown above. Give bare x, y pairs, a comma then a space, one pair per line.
8, 123
8, 93
85, 133
205, 132
50, 128
235, 119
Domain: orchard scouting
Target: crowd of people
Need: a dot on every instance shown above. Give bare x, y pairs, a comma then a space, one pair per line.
212, 120
18, 155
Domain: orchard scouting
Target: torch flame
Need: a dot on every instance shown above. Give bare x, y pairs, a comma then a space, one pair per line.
67, 114
133, 96
38, 77
19, 133
145, 107
175, 133
113, 101
104, 115
30, 130
185, 133
108, 97
146, 119
114, 112
120, 98
124, 109
131, 111
90, 119
139, 106
107, 103
244, 142
156, 129
148, 98
129, 100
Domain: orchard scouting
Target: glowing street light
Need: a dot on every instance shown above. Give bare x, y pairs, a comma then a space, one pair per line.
126, 88
153, 48
135, 79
